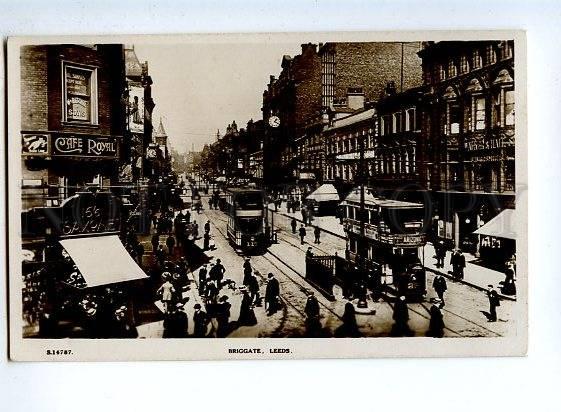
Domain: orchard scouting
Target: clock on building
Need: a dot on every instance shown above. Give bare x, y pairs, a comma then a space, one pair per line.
274, 121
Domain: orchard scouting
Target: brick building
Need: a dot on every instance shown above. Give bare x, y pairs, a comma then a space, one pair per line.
350, 76
294, 97
71, 117
468, 134
352, 70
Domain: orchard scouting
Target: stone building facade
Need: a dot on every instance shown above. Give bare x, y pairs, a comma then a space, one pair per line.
468, 133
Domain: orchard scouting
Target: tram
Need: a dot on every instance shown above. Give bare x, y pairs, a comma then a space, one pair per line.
244, 208
394, 240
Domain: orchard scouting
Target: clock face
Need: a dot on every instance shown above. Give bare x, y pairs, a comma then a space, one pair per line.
274, 121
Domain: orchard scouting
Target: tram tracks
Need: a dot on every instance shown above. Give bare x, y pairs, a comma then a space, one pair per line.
425, 313
301, 286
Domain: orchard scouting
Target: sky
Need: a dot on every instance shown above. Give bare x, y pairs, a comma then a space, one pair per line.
200, 88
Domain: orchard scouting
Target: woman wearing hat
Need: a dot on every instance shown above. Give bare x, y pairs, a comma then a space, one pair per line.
436, 324
200, 322
223, 317
166, 291
247, 316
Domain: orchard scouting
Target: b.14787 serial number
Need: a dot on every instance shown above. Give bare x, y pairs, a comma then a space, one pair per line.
59, 352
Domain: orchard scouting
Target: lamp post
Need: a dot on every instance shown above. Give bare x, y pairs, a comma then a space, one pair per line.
274, 123
362, 244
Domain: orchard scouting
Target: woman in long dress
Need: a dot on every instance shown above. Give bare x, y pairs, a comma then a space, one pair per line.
166, 290
247, 315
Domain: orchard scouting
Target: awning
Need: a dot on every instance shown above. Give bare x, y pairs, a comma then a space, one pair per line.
102, 260
324, 193
503, 225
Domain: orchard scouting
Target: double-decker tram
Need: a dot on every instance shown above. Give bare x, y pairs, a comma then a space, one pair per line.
244, 208
393, 240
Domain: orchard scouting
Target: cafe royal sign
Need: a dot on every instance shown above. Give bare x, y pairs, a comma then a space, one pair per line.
75, 145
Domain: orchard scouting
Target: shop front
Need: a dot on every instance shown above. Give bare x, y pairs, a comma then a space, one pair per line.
85, 284
497, 239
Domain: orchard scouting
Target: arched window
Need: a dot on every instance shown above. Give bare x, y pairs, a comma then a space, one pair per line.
477, 113
477, 62
503, 99
464, 64
453, 112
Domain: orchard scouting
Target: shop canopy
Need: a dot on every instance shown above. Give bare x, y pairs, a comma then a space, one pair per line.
503, 225
324, 193
102, 260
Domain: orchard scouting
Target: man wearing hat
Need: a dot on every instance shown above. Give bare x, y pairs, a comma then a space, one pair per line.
200, 322
253, 288
302, 233
458, 262
494, 301
202, 280
247, 270
313, 324
439, 285
217, 273
271, 294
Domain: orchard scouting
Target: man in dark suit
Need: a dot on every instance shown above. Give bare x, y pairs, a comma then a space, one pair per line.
494, 301
458, 262
439, 285
302, 233
272, 294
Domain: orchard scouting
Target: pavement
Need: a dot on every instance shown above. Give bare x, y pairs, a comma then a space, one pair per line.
475, 275
328, 224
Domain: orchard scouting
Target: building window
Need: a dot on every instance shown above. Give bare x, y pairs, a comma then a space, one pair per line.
441, 72
454, 118
410, 120
476, 57
464, 64
385, 125
452, 71
509, 107
490, 55
506, 49
478, 113
397, 122
79, 94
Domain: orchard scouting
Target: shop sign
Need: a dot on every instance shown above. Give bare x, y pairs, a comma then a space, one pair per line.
488, 158
487, 144
35, 144
84, 146
85, 213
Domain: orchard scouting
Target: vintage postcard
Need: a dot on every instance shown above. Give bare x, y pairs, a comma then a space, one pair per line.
260, 196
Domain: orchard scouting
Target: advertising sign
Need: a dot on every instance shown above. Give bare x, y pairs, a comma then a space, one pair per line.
85, 213
34, 144
136, 109
84, 146
78, 94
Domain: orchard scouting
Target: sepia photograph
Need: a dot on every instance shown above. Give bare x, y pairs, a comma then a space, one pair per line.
267, 196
